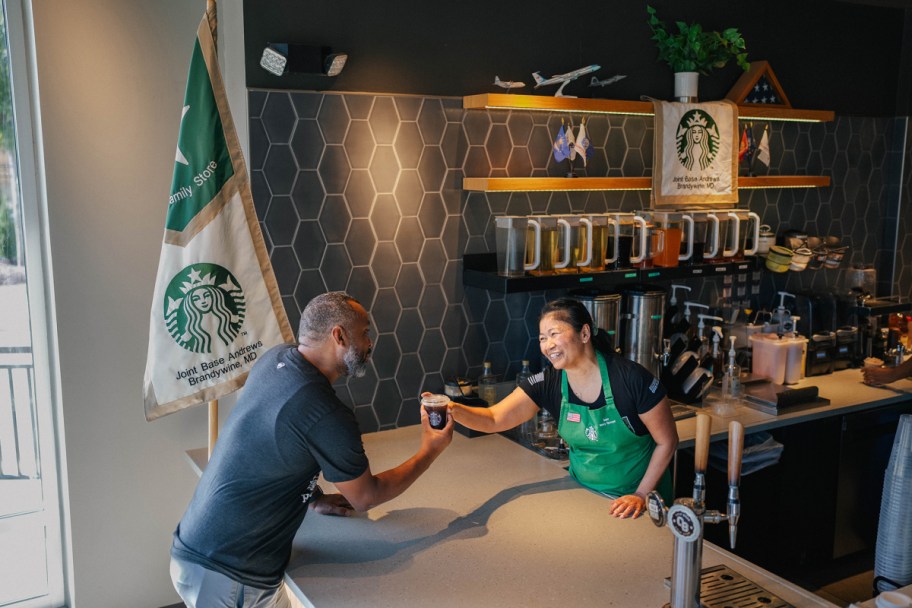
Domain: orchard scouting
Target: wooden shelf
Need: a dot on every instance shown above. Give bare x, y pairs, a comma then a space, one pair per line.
507, 101
530, 184
480, 270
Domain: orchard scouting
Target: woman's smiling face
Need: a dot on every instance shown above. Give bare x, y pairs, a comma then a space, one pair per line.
558, 341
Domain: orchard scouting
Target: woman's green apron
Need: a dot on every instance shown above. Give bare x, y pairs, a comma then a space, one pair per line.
605, 454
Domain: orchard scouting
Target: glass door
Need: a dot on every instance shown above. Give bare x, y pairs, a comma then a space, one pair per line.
31, 539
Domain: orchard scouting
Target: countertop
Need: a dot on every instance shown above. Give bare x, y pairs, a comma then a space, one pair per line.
493, 524
844, 389
872, 603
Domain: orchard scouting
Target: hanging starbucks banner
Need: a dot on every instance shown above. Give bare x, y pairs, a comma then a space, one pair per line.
216, 304
694, 161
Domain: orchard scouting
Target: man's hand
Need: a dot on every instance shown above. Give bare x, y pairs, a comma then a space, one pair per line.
433, 440
630, 505
332, 504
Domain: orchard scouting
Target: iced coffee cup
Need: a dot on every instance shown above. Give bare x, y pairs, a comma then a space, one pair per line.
436, 408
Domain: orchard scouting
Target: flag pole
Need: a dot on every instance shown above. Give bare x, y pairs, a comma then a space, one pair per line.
212, 16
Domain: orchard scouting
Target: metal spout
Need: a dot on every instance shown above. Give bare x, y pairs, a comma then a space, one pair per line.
733, 511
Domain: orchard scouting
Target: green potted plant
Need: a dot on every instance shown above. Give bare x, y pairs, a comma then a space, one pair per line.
691, 51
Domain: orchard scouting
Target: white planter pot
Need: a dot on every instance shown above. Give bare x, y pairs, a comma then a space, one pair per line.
686, 86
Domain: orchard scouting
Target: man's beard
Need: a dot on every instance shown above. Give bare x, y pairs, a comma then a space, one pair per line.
355, 364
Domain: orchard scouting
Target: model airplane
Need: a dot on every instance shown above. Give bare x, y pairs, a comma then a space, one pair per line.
595, 82
540, 81
508, 84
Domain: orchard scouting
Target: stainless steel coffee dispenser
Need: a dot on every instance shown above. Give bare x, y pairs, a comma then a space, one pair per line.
642, 318
605, 309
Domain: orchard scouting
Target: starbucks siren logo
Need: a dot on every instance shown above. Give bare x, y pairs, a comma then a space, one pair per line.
697, 140
203, 302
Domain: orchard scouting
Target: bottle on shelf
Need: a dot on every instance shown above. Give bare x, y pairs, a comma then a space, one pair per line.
527, 431
731, 380
718, 357
524, 373
487, 384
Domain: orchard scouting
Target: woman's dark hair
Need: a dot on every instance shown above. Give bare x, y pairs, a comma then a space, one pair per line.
573, 312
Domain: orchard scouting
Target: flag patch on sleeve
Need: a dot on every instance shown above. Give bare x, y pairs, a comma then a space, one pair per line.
654, 386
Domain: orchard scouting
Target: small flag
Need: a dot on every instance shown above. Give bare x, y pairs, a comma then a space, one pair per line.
582, 143
561, 151
571, 143
763, 150
216, 304
751, 145
573, 417
744, 147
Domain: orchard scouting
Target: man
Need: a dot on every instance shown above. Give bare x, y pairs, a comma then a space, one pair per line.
234, 542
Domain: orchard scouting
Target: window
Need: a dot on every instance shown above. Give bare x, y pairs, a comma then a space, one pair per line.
31, 539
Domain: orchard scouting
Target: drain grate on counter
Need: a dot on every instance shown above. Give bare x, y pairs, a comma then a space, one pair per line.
722, 587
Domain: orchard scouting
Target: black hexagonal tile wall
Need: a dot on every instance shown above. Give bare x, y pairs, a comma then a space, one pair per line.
385, 263
309, 244
384, 168
409, 239
334, 169
307, 144
281, 220
384, 120
360, 242
308, 195
385, 310
305, 104
359, 193
361, 286
385, 217
432, 215
409, 192
364, 193
333, 119
409, 285
359, 144
409, 330
408, 145
336, 267
335, 219
280, 169
387, 403
432, 168
278, 117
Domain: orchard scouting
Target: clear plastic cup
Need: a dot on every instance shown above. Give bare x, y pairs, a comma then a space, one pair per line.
436, 408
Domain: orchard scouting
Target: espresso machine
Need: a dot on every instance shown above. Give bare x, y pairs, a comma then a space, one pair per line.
642, 320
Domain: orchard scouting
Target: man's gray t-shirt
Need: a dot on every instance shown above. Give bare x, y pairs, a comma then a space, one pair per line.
287, 426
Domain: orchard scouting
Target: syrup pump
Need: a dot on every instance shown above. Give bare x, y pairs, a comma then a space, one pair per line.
688, 515
681, 331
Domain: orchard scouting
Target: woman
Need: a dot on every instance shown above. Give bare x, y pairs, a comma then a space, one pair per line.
612, 412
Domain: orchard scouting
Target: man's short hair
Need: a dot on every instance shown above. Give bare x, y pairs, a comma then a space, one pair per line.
325, 312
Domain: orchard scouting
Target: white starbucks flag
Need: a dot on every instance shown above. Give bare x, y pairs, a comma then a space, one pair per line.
695, 162
216, 305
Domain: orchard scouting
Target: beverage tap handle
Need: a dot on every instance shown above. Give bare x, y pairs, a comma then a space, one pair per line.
701, 459
735, 450
701, 447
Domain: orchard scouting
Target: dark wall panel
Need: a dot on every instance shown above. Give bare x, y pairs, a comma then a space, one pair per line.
364, 193
826, 54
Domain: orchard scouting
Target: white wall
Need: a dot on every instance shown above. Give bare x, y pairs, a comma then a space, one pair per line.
111, 78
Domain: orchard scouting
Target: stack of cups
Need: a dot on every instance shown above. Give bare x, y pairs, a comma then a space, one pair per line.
893, 554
